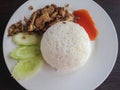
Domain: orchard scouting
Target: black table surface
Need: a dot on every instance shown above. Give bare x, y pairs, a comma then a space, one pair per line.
8, 7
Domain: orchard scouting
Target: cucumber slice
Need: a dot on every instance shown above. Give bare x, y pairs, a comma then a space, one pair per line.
26, 68
26, 39
25, 52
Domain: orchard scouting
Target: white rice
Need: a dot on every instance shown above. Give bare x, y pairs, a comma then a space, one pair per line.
66, 46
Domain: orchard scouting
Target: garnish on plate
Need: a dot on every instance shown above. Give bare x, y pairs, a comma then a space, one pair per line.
84, 19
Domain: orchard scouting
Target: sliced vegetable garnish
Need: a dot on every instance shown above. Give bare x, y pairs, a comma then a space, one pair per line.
26, 39
25, 52
26, 68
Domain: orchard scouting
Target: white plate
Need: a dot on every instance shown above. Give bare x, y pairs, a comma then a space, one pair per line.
93, 73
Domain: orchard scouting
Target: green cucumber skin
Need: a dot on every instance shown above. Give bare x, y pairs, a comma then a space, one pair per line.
25, 52
26, 68
26, 39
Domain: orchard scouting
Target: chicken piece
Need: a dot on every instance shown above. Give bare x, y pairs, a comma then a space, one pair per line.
16, 28
31, 26
40, 21
62, 12
26, 20
69, 17
54, 15
48, 9
30, 7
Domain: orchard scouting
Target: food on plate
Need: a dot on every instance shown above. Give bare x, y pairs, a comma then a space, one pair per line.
30, 7
84, 19
65, 43
66, 46
16, 28
26, 39
27, 68
25, 52
41, 20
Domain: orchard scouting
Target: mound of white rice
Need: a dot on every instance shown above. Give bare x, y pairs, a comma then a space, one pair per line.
65, 46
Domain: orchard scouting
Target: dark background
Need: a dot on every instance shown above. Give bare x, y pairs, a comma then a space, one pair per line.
7, 8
